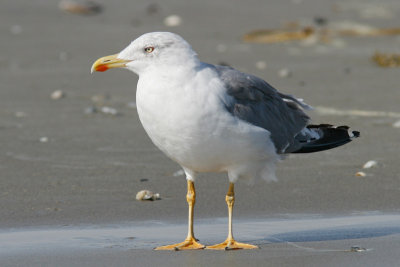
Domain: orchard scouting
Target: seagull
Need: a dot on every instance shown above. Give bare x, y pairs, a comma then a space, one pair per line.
211, 118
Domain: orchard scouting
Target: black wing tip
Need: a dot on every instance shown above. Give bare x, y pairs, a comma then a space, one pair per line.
334, 136
356, 134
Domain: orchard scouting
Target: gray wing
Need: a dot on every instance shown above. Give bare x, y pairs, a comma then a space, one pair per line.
255, 101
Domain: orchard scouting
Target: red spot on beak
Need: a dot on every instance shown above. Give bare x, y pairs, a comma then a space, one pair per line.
101, 68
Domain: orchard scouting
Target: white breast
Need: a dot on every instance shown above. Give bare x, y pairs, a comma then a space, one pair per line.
192, 126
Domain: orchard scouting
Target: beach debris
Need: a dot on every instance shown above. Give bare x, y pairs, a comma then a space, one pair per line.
361, 174
109, 111
57, 94
20, 114
357, 249
277, 36
396, 124
16, 29
370, 164
147, 195
261, 65
315, 34
284, 73
178, 173
44, 139
80, 7
172, 21
386, 60
144, 180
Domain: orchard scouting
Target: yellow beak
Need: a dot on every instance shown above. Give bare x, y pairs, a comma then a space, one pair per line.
109, 62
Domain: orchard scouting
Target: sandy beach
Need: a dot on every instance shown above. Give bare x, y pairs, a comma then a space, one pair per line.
71, 164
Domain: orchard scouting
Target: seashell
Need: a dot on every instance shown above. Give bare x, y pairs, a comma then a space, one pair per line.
147, 195
261, 65
357, 249
109, 110
370, 164
361, 174
58, 94
172, 21
284, 73
44, 139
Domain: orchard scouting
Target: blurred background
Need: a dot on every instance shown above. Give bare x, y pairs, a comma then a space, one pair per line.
72, 150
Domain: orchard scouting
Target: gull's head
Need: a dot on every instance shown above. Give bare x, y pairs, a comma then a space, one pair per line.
149, 50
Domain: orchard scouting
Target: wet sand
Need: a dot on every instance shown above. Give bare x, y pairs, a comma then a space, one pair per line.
62, 166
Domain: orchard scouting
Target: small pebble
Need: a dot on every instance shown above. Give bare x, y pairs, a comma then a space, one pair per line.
178, 173
58, 94
369, 164
284, 73
147, 195
172, 21
44, 139
144, 180
16, 29
396, 124
361, 174
261, 65
109, 110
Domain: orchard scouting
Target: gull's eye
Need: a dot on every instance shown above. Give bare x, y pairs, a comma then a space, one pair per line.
149, 49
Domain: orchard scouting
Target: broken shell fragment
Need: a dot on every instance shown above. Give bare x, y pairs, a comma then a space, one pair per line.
361, 174
147, 195
370, 164
357, 249
109, 111
58, 94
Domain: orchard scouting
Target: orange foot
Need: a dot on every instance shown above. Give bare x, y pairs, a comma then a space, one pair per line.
189, 243
231, 244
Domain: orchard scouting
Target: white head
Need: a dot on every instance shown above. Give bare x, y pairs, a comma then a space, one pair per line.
150, 49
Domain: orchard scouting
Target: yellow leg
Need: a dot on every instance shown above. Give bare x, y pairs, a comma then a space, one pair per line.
230, 243
190, 241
